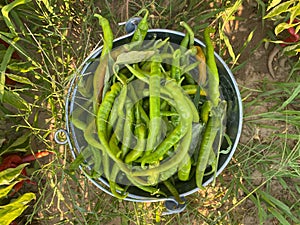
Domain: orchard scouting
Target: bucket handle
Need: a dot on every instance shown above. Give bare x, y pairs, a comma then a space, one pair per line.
61, 137
173, 206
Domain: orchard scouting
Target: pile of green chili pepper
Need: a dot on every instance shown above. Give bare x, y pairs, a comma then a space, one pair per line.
150, 121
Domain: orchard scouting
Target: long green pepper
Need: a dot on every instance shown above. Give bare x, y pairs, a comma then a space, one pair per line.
213, 74
154, 105
142, 28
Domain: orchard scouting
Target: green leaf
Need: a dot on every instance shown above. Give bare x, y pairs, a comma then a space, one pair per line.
292, 49
10, 174
281, 27
20, 79
14, 209
5, 13
295, 94
48, 6
228, 44
22, 67
297, 29
2, 140
14, 99
76, 163
262, 215
295, 11
282, 8
4, 191
3, 66
274, 202
273, 4
19, 141
278, 216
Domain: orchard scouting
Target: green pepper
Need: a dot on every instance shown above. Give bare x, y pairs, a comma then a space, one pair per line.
127, 131
99, 74
142, 28
207, 141
184, 168
108, 36
154, 104
140, 133
213, 74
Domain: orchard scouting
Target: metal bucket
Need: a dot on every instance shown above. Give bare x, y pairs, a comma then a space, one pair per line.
228, 88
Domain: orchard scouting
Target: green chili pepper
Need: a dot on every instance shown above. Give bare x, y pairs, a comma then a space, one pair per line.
190, 32
89, 136
167, 143
121, 100
101, 69
205, 111
207, 141
182, 149
176, 70
107, 35
191, 89
173, 191
113, 117
154, 105
139, 74
151, 190
105, 109
77, 115
184, 168
213, 75
168, 173
185, 41
101, 120
140, 133
142, 28
186, 116
132, 94
112, 182
113, 144
97, 159
127, 131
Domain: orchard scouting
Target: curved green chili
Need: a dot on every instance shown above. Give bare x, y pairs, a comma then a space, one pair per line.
107, 35
190, 32
173, 191
99, 74
77, 114
89, 136
182, 149
142, 28
112, 182
138, 151
213, 74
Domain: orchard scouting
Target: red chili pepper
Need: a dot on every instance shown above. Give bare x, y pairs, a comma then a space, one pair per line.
13, 160
294, 37
10, 161
35, 156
